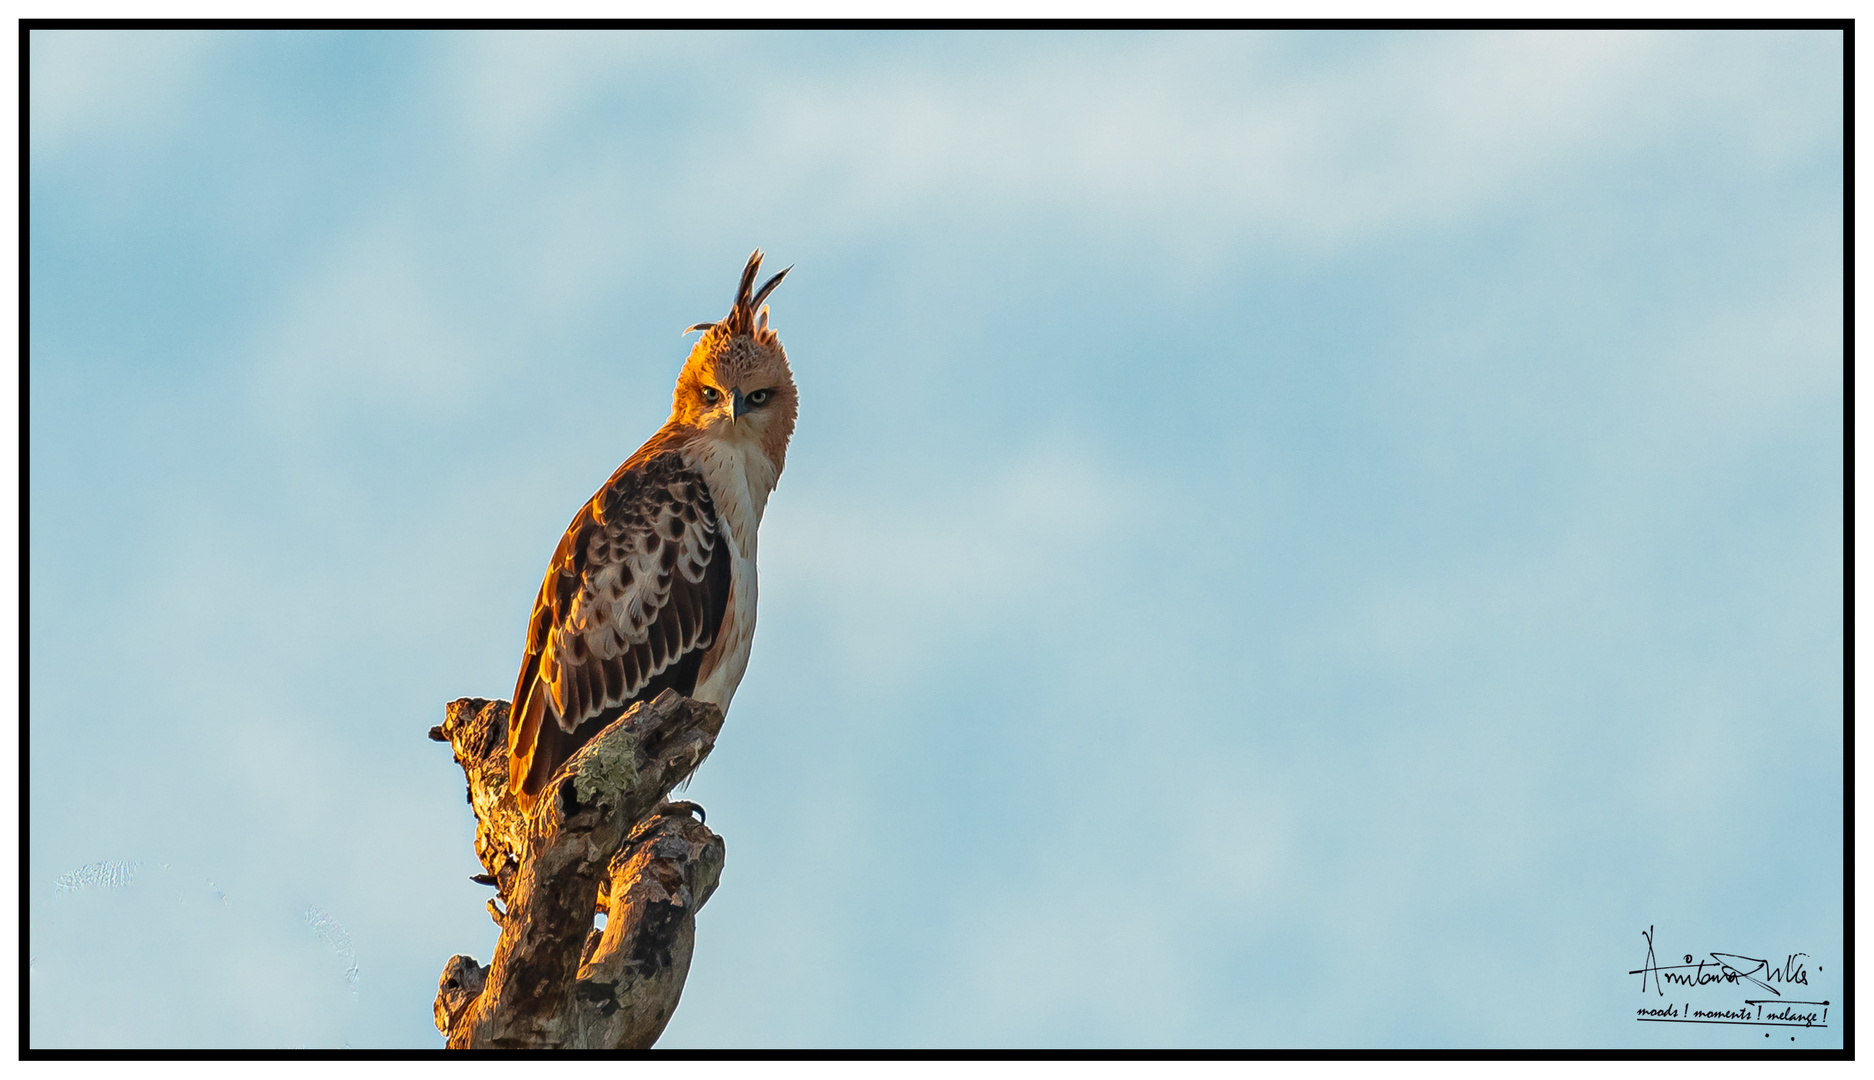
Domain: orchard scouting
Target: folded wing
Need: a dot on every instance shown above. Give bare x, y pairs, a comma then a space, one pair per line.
632, 601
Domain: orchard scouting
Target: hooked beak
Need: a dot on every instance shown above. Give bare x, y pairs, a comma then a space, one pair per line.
737, 404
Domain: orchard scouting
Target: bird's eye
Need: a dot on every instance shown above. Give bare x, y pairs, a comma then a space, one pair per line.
710, 394
759, 397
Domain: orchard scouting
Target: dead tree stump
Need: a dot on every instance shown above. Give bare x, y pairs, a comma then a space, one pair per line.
600, 839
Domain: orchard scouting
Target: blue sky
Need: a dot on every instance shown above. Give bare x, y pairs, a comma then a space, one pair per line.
1292, 540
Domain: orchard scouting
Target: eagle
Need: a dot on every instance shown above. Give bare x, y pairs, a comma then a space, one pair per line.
652, 587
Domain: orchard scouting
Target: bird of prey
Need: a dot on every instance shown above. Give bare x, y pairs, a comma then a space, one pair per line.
652, 587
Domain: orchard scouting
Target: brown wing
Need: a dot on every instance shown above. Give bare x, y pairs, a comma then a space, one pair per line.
631, 602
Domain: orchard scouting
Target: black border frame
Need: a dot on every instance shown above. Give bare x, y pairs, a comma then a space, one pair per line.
1846, 26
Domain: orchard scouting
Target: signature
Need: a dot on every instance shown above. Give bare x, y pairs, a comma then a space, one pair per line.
1722, 968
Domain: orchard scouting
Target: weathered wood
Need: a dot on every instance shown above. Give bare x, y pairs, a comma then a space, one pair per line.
600, 838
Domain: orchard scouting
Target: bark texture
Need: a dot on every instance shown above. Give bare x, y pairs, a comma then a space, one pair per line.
601, 838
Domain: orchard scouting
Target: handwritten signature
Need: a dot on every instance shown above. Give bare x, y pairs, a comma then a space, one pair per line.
1731, 968
1724, 968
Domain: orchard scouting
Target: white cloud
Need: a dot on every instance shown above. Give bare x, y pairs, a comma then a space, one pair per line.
1418, 129
901, 584
111, 84
511, 90
1199, 142
368, 330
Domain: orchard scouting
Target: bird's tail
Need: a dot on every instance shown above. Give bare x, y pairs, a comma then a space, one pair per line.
535, 746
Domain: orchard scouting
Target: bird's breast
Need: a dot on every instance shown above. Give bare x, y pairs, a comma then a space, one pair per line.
740, 477
739, 481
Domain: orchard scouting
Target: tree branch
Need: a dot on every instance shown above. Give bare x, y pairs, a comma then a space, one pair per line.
600, 838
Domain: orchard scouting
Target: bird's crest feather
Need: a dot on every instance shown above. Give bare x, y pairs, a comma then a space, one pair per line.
746, 316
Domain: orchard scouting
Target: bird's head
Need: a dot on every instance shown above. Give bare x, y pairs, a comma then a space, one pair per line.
736, 385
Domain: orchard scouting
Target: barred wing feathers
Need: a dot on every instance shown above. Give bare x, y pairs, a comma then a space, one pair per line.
632, 601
